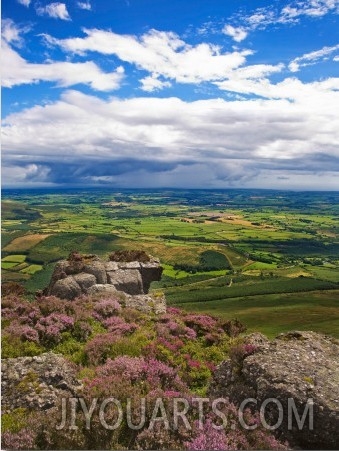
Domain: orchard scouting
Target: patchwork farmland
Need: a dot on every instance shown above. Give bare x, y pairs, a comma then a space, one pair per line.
269, 258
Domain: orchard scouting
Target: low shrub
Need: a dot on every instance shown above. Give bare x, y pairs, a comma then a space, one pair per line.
233, 328
12, 289
129, 256
12, 346
97, 350
128, 355
238, 352
105, 308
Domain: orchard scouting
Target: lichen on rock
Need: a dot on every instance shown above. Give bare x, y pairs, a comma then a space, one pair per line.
37, 382
300, 366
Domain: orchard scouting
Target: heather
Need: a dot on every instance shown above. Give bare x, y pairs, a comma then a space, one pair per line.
136, 358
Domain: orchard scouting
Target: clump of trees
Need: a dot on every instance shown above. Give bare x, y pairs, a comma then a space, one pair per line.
208, 261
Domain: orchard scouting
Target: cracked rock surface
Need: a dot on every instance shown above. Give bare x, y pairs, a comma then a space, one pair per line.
71, 279
302, 367
37, 382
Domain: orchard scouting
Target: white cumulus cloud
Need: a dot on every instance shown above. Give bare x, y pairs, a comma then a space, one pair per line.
321, 93
237, 33
11, 33
85, 5
214, 141
16, 71
25, 2
56, 10
152, 83
160, 53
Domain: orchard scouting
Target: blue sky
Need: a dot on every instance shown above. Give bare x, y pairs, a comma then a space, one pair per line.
171, 93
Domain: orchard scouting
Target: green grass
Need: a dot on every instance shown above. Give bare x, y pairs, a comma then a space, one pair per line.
60, 245
236, 259
169, 271
14, 258
324, 273
213, 259
261, 265
32, 269
174, 278
8, 265
39, 280
275, 313
251, 288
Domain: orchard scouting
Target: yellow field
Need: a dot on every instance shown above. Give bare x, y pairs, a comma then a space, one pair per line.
171, 254
26, 242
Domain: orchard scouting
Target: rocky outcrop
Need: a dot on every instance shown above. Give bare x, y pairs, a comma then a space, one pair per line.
98, 269
300, 366
37, 382
73, 278
66, 288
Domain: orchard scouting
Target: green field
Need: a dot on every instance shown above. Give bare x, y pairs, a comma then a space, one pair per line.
12, 262
32, 269
14, 258
251, 288
221, 250
275, 313
8, 265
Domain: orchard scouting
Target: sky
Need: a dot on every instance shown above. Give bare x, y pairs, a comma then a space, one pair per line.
170, 93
